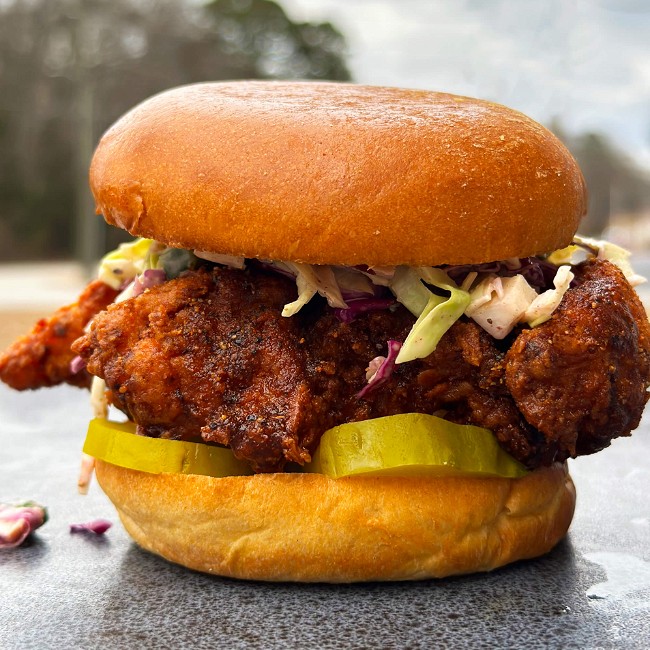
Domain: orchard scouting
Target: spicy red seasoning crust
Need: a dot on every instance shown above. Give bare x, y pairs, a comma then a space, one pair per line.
210, 353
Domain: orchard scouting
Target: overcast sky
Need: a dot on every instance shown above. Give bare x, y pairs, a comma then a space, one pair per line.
586, 62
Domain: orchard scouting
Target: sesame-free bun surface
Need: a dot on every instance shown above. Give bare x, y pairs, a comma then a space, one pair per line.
310, 528
331, 173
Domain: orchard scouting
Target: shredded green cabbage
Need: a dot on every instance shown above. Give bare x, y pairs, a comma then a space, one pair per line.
306, 291
498, 304
407, 287
438, 316
124, 263
312, 279
542, 308
571, 255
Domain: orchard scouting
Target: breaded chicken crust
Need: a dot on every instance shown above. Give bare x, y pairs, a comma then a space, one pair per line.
581, 378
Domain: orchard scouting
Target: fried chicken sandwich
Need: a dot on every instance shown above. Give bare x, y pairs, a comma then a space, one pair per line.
357, 338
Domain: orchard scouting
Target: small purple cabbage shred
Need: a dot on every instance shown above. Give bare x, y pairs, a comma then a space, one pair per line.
77, 365
17, 522
539, 273
360, 306
384, 371
150, 278
96, 526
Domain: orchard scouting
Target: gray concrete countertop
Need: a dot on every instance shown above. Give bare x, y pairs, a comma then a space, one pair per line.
72, 591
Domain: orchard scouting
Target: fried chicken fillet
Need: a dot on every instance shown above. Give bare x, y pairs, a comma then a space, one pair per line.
210, 354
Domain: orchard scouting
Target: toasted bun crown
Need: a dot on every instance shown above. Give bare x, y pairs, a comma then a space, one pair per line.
311, 528
337, 174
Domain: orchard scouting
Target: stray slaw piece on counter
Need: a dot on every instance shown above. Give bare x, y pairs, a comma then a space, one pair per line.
96, 527
496, 295
17, 522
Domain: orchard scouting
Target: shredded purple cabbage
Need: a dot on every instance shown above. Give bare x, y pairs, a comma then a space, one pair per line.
97, 526
538, 273
384, 371
77, 365
150, 278
361, 306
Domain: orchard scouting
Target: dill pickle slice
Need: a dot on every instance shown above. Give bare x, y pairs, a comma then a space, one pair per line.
412, 444
116, 443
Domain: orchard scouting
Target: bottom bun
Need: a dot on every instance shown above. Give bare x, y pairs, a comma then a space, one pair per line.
310, 528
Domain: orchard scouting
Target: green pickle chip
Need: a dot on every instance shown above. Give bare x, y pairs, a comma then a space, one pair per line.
116, 443
413, 444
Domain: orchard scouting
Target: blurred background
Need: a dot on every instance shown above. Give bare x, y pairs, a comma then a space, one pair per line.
69, 68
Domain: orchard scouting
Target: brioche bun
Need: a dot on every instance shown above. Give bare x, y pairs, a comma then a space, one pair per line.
310, 528
330, 173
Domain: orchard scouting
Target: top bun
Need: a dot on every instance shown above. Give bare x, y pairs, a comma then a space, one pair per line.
328, 173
